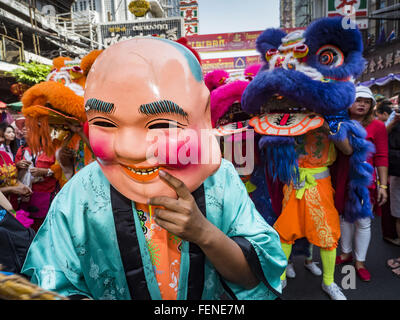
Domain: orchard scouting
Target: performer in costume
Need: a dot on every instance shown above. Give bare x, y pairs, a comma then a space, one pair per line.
55, 115
141, 222
237, 141
303, 93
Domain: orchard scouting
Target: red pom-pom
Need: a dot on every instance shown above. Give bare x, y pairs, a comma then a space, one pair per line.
183, 41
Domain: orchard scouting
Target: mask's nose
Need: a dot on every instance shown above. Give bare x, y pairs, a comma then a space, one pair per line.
287, 59
276, 56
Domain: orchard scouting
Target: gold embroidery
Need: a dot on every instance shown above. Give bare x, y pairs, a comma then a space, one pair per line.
287, 191
317, 213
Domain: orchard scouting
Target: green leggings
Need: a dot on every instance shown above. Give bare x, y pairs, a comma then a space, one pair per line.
328, 258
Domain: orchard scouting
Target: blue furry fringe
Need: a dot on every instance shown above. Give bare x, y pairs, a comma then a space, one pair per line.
358, 204
261, 196
281, 157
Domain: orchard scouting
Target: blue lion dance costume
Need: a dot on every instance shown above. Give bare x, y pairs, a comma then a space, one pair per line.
301, 96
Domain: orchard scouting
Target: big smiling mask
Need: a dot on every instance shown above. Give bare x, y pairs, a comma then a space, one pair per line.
148, 109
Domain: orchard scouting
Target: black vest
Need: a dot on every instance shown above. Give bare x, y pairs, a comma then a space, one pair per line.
394, 151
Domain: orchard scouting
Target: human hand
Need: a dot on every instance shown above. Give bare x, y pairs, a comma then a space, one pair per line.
23, 164
38, 172
181, 216
325, 127
66, 157
382, 196
75, 127
22, 190
396, 118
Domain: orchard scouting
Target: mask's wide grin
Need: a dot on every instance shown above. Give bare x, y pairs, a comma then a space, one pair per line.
141, 174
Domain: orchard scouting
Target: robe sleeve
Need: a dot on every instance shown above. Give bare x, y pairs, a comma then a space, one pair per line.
259, 242
52, 262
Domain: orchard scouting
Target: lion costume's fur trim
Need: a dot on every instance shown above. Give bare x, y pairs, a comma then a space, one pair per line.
59, 96
88, 60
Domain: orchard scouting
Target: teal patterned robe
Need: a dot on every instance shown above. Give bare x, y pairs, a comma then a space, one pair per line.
76, 251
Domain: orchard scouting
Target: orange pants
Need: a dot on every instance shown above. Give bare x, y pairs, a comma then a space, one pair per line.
313, 217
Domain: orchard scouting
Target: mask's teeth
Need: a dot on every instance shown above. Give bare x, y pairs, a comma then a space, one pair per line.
143, 171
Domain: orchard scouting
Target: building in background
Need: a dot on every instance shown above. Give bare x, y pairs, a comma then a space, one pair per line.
382, 48
40, 30
189, 12
232, 52
295, 14
118, 10
35, 30
124, 19
287, 14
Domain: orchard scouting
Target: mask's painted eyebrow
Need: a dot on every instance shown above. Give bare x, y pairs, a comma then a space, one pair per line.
162, 107
100, 106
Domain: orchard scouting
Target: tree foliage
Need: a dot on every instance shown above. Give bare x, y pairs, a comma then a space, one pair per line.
31, 73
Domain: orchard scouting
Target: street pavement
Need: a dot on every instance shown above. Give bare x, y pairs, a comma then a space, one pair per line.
383, 285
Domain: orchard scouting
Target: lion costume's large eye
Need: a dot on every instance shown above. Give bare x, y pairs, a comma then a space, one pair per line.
330, 56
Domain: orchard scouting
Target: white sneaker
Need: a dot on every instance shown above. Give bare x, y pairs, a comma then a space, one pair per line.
290, 273
334, 292
313, 268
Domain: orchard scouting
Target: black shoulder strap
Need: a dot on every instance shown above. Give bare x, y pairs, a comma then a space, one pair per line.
197, 257
130, 251
129, 245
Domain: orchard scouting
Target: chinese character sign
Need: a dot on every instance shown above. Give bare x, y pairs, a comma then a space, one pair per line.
347, 7
170, 28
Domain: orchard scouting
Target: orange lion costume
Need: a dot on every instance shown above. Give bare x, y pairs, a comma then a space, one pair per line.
53, 107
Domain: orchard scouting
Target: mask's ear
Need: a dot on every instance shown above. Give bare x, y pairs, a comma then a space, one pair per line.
335, 48
269, 39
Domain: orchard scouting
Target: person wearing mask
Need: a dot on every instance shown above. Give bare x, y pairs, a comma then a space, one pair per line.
360, 230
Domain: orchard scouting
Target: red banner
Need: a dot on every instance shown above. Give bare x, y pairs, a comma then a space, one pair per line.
224, 41
229, 63
227, 41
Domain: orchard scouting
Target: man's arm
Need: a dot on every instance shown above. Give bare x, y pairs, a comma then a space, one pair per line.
393, 123
343, 145
184, 219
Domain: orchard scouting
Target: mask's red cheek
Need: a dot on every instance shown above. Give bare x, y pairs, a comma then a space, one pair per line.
102, 147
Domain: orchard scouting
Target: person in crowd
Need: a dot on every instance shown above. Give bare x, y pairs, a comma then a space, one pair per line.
19, 125
309, 264
360, 230
10, 186
394, 264
393, 128
384, 110
8, 143
35, 172
394, 117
